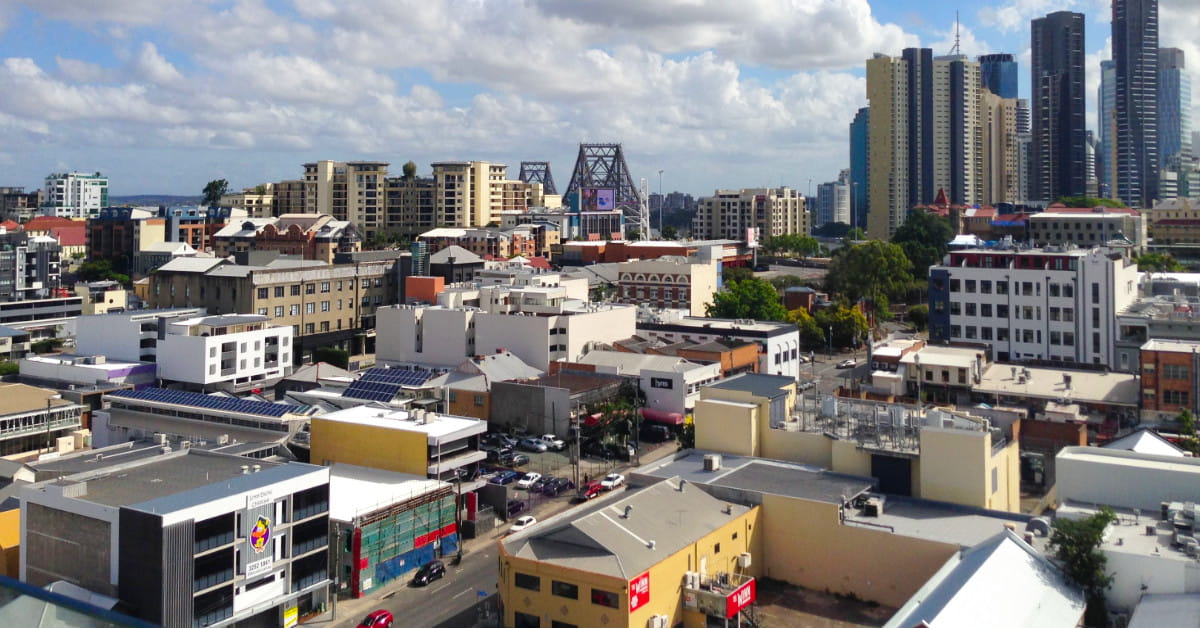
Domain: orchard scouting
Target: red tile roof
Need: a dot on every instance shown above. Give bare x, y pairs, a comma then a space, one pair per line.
11, 225
45, 223
70, 236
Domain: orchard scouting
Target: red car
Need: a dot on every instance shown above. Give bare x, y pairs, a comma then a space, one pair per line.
592, 489
377, 619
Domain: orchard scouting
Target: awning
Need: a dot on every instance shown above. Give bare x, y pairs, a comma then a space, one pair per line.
658, 416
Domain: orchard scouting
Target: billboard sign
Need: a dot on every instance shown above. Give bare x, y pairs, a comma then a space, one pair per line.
741, 597
597, 199
639, 592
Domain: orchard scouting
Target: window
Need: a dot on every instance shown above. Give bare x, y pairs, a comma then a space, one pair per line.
1027, 288
1054, 314
309, 328
324, 306
525, 620
985, 285
262, 311
564, 589
1095, 293
954, 285
962, 376
955, 308
379, 282
971, 309
1175, 371
970, 286
479, 400
278, 292
605, 598
324, 286
985, 309
955, 331
278, 311
310, 308
453, 397
263, 293
985, 333
366, 283
1001, 287
554, 623
716, 548
1096, 342
1095, 317
995, 479
310, 288
1055, 338
970, 332
1002, 333
1026, 335
296, 290
1068, 290
1054, 290
1068, 339
212, 352
1175, 397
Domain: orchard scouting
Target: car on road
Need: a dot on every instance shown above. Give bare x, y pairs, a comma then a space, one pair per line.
554, 442
611, 481
514, 506
523, 523
527, 481
377, 619
591, 489
557, 487
621, 452
531, 444
429, 572
847, 364
505, 477
804, 359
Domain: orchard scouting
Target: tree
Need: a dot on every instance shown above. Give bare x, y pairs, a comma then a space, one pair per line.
100, 270
410, 170
669, 232
793, 243
1187, 432
9, 367
924, 236
812, 335
332, 355
832, 230
869, 271
1075, 543
1090, 201
855, 235
847, 324
213, 191
1158, 263
918, 315
736, 273
749, 298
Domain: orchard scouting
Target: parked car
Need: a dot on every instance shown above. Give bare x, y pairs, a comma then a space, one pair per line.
594, 448
804, 359
429, 572
502, 440
621, 452
377, 619
805, 385
654, 433
527, 481
505, 477
498, 455
557, 487
531, 444
591, 489
541, 483
514, 506
523, 523
611, 481
847, 364
517, 460
554, 442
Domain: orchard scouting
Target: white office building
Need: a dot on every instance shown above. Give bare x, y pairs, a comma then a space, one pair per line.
231, 352
127, 336
671, 384
778, 343
75, 194
1055, 303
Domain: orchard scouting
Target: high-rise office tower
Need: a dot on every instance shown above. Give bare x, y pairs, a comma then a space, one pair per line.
998, 73
1174, 117
1135, 51
1106, 119
859, 167
925, 134
1059, 128
1023, 114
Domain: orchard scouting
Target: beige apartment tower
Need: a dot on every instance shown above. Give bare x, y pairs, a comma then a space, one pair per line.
727, 214
887, 91
350, 190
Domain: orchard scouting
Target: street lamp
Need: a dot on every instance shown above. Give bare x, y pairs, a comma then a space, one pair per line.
830, 338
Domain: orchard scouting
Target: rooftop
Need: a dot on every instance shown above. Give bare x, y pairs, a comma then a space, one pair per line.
210, 402
760, 475
84, 361
721, 324
19, 398
438, 427
934, 355
192, 264
355, 490
574, 382
1146, 441
1157, 609
1097, 387
600, 538
224, 320
999, 582
634, 363
758, 384
1177, 346
454, 254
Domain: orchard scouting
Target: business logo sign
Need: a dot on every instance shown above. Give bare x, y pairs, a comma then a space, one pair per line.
639, 591
661, 382
741, 597
260, 535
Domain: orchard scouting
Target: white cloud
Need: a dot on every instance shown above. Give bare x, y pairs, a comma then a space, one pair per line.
151, 66
80, 71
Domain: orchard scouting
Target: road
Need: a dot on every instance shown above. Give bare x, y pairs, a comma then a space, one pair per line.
451, 602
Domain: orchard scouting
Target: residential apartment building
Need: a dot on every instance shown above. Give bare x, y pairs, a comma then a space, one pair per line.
19, 205
670, 282
1059, 107
760, 212
118, 233
1106, 120
1135, 53
410, 205
1088, 227
75, 194
195, 226
351, 191
1000, 155
325, 304
833, 201
860, 184
186, 538
233, 352
1055, 303
129, 336
306, 236
30, 266
778, 343
494, 243
475, 193
998, 74
257, 202
1174, 223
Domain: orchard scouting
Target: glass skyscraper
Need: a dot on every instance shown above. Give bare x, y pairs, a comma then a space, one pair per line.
1135, 51
1057, 95
998, 73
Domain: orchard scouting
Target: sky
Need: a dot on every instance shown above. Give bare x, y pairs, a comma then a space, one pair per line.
165, 95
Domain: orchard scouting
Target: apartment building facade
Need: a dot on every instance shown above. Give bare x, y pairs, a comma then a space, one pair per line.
669, 282
1170, 371
19, 205
732, 214
307, 236
1088, 227
233, 352
118, 233
1055, 303
325, 304
351, 190
75, 194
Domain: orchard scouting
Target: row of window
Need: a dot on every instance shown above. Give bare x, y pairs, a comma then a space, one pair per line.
1001, 334
311, 288
567, 590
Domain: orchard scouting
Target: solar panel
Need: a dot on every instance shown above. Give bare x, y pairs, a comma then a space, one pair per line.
201, 400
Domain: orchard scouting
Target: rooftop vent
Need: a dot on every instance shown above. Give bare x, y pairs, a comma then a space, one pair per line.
712, 462
628, 509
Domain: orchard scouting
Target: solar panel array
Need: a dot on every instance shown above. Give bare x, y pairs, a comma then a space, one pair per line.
201, 400
383, 384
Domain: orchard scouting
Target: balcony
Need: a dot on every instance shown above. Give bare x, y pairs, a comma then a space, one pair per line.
720, 595
207, 581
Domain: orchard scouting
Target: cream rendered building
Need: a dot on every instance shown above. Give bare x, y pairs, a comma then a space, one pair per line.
474, 193
887, 91
258, 201
350, 190
1000, 157
727, 214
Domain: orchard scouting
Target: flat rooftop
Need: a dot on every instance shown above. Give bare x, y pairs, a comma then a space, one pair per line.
1097, 387
1128, 534
760, 475
960, 357
355, 490
74, 359
721, 324
436, 426
20, 398
760, 384
1183, 346
160, 477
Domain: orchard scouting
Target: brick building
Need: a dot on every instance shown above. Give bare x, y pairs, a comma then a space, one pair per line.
1170, 379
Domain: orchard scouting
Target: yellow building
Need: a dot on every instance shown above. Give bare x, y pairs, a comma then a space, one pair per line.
415, 442
351, 190
942, 455
10, 543
667, 555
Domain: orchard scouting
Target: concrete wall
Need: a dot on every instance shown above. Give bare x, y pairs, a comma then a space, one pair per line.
955, 466
727, 426
540, 409
61, 545
848, 458
807, 447
1125, 479
1135, 575
10, 543
369, 446
810, 548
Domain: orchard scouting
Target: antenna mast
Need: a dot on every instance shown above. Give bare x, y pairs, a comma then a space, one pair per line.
956, 50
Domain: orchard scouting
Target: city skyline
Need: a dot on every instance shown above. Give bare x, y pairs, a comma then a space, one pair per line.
163, 100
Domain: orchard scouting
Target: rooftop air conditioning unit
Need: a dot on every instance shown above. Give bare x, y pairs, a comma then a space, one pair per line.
712, 462
744, 560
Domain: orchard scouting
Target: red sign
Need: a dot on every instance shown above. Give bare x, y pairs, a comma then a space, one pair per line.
742, 597
639, 591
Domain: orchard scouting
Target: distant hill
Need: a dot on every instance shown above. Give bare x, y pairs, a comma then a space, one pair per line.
153, 199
